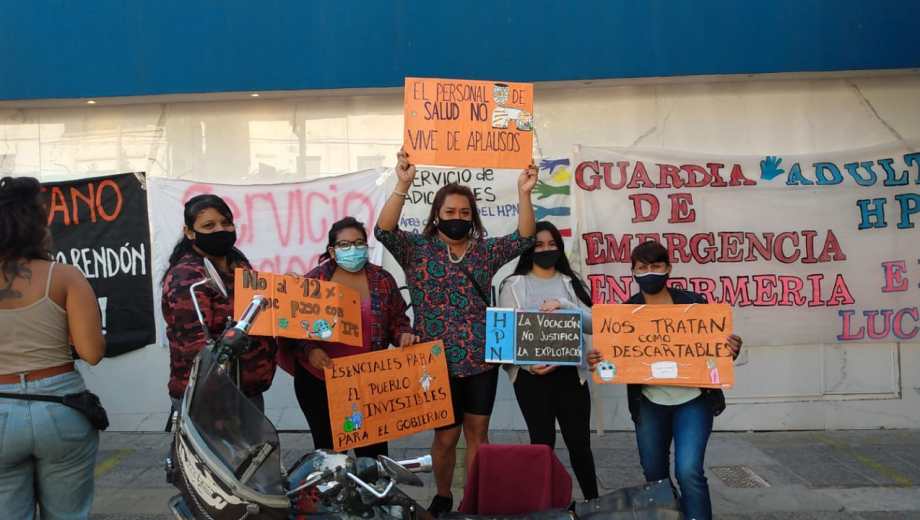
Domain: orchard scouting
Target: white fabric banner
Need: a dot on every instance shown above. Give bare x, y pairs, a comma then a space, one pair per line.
281, 228
496, 197
808, 249
495, 191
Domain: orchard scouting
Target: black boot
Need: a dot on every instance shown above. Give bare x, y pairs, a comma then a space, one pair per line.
440, 505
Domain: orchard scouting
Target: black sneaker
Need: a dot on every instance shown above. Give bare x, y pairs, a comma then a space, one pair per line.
440, 505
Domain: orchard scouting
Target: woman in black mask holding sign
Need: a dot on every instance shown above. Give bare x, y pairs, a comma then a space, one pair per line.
208, 233
665, 413
449, 269
544, 281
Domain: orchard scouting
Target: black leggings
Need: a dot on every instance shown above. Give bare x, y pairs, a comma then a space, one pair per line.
314, 402
560, 395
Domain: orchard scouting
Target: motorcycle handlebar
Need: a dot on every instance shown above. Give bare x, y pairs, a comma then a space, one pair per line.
417, 465
250, 314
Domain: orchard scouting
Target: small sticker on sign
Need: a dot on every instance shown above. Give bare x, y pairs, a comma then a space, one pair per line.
607, 371
664, 370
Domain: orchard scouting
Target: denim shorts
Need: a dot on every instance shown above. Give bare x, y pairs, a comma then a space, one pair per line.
47, 453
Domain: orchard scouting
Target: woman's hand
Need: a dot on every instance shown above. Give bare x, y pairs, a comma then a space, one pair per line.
542, 370
594, 358
527, 180
734, 343
527, 224
550, 305
319, 359
388, 220
404, 170
407, 338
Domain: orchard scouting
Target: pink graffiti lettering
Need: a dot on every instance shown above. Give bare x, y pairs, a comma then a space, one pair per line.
299, 216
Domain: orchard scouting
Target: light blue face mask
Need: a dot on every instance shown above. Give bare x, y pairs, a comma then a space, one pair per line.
351, 259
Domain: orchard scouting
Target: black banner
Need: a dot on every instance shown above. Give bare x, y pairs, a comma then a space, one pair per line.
100, 226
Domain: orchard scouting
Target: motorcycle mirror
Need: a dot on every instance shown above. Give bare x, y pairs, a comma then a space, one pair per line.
399, 473
214, 279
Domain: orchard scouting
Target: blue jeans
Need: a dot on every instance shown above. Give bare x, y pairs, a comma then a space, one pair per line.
47, 453
689, 425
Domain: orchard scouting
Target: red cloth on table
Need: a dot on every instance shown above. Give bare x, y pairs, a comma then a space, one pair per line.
515, 479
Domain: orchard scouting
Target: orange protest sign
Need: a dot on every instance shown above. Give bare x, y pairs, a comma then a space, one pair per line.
388, 394
301, 308
673, 345
452, 122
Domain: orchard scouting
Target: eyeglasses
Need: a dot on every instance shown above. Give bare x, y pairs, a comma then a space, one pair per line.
345, 245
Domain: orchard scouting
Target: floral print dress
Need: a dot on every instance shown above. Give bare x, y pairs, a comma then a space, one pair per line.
446, 304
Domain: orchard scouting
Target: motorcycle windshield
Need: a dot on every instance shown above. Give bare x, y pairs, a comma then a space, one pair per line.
236, 431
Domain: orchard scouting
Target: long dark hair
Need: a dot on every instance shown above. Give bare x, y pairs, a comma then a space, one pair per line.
345, 223
525, 263
431, 227
23, 221
193, 207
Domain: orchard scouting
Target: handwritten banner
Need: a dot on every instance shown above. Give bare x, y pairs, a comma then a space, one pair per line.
496, 199
496, 196
822, 247
281, 228
388, 394
301, 308
672, 345
100, 227
452, 122
533, 338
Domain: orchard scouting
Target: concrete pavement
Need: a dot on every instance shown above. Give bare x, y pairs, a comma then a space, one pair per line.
866, 474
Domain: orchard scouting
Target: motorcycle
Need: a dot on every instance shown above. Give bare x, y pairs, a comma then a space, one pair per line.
225, 458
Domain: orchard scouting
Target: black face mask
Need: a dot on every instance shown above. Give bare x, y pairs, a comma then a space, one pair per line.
218, 243
651, 283
455, 228
547, 259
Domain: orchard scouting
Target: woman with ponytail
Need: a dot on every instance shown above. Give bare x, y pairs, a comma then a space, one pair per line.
209, 233
543, 280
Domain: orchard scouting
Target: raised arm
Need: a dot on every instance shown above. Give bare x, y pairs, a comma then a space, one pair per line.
405, 173
527, 226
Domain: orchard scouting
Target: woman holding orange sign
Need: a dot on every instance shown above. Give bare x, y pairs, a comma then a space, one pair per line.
383, 322
665, 413
209, 232
449, 269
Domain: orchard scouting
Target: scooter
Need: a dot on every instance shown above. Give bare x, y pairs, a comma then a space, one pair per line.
225, 459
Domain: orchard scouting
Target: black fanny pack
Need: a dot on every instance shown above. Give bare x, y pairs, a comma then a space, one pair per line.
84, 402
